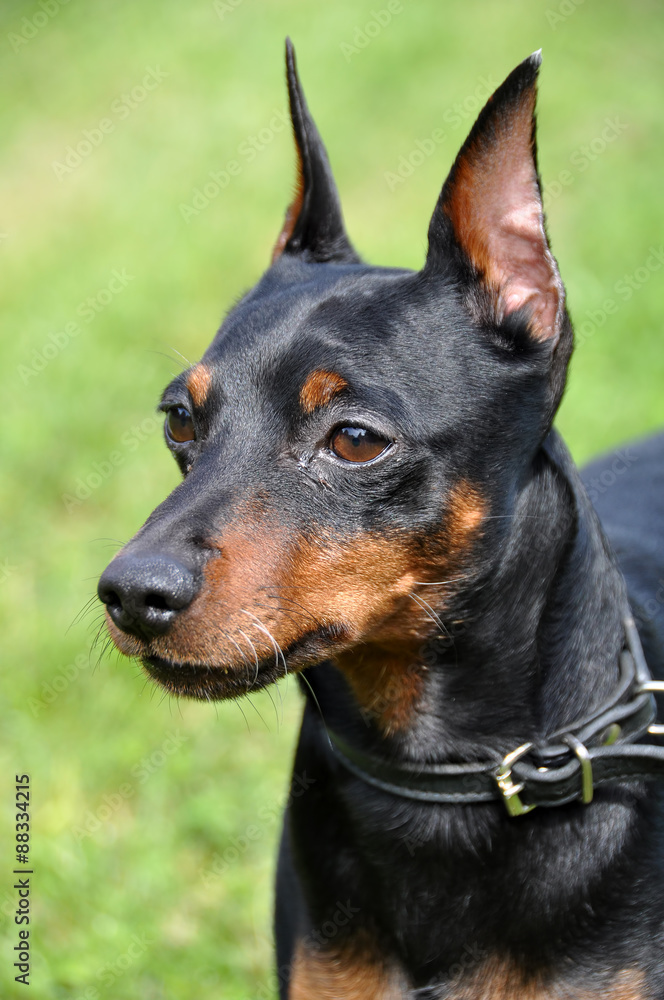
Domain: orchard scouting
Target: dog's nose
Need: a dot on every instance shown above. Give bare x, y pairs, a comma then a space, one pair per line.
144, 594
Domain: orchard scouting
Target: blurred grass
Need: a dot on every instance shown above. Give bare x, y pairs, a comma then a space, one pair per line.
122, 906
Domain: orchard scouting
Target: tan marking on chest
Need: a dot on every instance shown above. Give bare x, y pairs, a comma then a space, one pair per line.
319, 389
500, 979
387, 683
357, 974
198, 384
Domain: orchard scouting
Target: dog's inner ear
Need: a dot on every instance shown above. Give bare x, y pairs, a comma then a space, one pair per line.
490, 209
314, 225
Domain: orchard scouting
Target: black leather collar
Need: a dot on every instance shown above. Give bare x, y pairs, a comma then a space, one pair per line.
592, 752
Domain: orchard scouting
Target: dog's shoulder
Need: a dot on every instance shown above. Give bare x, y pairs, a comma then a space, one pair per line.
626, 487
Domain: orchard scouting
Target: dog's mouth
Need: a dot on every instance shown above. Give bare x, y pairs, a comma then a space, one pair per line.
211, 683
215, 682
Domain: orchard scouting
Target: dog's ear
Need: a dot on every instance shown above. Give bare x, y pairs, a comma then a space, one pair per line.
314, 225
489, 216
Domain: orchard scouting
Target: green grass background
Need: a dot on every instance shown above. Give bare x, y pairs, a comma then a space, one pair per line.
127, 911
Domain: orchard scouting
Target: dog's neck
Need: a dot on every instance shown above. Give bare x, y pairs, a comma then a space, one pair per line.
535, 645
544, 631
541, 650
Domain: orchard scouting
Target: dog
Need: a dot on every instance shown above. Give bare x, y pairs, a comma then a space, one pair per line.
374, 499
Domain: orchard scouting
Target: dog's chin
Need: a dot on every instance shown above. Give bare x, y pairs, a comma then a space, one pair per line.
211, 683
218, 682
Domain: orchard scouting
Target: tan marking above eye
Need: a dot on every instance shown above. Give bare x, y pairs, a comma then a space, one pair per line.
357, 444
198, 384
320, 388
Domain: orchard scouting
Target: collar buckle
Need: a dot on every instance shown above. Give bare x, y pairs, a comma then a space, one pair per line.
653, 687
508, 789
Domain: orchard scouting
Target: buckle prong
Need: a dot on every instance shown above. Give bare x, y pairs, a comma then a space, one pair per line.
653, 687
509, 790
584, 760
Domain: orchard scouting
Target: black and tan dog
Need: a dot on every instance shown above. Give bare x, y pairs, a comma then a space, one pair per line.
373, 496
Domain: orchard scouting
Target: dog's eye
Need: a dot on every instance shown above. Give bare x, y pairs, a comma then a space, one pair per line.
179, 425
357, 444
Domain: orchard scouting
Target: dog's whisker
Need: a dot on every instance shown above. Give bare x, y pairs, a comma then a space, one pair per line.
253, 649
430, 613
107, 645
292, 615
246, 721
303, 610
303, 675
274, 706
277, 607
277, 648
258, 713
87, 607
237, 645
176, 361
95, 630
187, 362
97, 637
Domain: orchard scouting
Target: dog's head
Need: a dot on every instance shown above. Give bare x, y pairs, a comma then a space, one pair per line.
353, 440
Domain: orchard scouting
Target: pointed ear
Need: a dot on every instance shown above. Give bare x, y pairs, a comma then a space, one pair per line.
490, 216
314, 225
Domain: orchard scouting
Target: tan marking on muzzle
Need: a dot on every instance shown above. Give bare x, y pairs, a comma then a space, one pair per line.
267, 588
